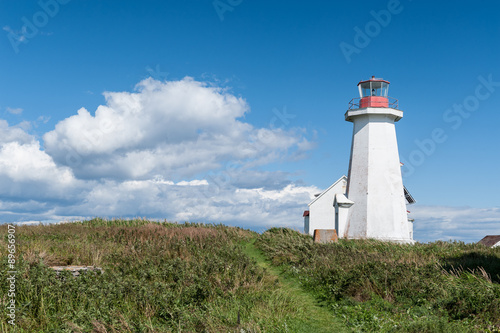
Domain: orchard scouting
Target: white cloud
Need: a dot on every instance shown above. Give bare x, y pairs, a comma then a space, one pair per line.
287, 194
29, 223
28, 172
198, 203
178, 150
195, 182
177, 129
42, 119
13, 134
14, 110
464, 223
25, 162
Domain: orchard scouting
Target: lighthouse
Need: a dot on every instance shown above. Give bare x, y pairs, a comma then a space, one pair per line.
374, 182
371, 201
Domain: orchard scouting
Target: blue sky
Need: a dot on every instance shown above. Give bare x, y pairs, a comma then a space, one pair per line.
281, 73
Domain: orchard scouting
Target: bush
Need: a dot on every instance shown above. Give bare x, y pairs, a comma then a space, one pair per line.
156, 277
436, 287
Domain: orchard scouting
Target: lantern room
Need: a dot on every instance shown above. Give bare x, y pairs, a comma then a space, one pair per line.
373, 93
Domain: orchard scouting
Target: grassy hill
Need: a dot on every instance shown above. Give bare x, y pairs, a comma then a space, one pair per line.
383, 287
164, 277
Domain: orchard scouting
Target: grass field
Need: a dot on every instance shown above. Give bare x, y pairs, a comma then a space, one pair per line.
166, 277
383, 287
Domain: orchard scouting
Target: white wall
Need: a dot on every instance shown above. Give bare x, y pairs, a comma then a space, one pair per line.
342, 206
321, 210
410, 228
375, 183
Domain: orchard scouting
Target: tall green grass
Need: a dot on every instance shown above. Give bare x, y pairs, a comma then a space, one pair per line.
157, 277
167, 277
379, 286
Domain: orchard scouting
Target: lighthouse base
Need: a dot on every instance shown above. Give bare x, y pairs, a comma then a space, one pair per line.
391, 240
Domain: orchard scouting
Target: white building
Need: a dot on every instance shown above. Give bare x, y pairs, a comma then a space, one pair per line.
329, 210
371, 201
321, 214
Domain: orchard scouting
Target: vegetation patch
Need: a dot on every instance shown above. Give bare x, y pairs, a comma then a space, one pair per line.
168, 277
157, 277
379, 286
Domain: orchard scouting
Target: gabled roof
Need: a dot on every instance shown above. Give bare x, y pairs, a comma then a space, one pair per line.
490, 240
328, 189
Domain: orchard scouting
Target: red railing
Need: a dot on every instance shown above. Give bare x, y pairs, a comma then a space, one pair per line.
354, 103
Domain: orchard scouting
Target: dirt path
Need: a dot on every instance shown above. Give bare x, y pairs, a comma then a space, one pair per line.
314, 318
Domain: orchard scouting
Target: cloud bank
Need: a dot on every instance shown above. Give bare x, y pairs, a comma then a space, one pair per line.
179, 150
451, 223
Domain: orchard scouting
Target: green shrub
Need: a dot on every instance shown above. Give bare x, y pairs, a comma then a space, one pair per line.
381, 286
157, 277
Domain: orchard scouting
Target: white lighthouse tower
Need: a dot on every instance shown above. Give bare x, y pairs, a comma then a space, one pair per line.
374, 181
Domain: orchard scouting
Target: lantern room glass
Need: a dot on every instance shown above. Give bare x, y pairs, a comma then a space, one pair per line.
373, 88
